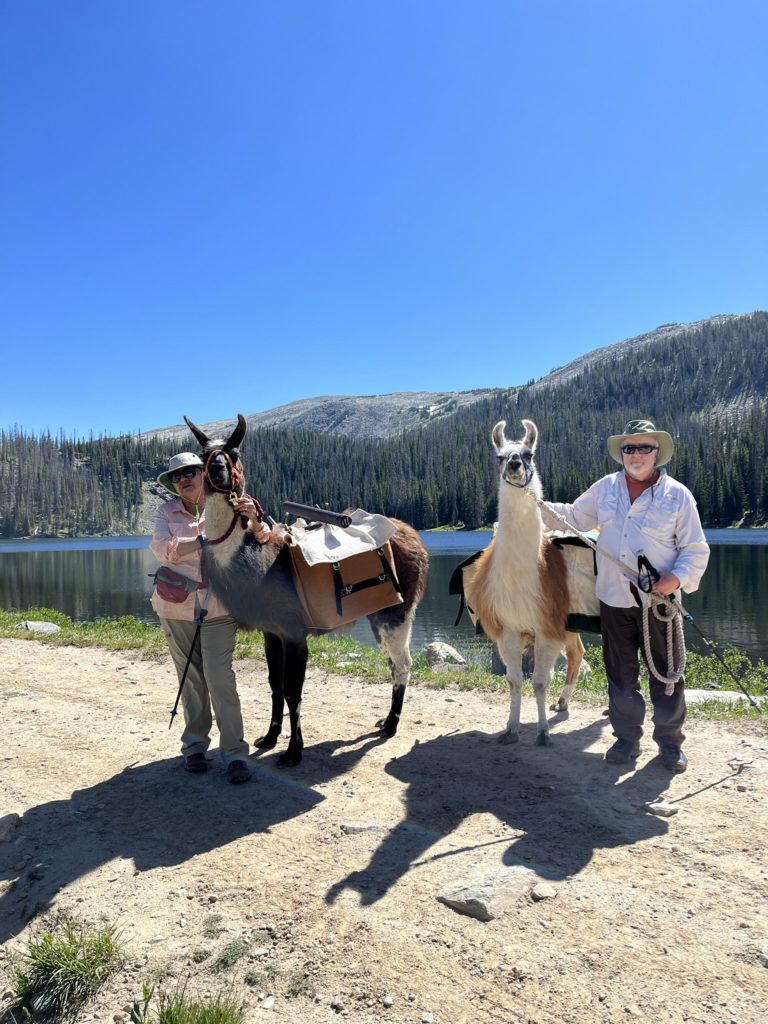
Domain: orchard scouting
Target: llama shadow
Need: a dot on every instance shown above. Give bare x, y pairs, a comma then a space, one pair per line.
156, 815
153, 814
565, 800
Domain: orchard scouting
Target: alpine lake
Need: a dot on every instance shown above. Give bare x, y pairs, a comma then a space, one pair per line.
108, 577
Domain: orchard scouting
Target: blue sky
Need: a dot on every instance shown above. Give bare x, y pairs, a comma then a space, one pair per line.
212, 206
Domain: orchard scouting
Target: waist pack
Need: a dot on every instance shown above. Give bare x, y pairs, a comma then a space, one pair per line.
173, 586
334, 593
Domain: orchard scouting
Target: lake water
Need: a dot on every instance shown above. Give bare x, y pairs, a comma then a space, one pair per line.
106, 577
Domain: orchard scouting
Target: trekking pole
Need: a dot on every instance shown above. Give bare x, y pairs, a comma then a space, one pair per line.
711, 644
199, 621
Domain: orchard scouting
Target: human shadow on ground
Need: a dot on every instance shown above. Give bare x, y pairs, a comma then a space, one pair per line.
153, 814
561, 803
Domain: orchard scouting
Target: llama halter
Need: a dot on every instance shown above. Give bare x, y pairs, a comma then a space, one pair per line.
529, 470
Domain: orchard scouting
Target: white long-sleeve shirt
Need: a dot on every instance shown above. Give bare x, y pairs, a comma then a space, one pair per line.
663, 524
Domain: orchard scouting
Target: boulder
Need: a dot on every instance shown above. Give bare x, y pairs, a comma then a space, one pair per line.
439, 653
38, 627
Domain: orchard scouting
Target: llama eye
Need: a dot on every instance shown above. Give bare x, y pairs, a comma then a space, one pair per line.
527, 456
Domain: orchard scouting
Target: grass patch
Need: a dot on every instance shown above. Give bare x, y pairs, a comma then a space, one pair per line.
212, 926
180, 1008
62, 969
261, 978
200, 955
299, 984
232, 952
125, 633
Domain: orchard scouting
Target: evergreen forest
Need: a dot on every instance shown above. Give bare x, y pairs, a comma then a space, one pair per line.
707, 386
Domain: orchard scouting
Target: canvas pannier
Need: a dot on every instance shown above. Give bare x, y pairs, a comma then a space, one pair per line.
334, 593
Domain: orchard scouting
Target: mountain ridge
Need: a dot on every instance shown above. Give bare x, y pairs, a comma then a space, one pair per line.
383, 416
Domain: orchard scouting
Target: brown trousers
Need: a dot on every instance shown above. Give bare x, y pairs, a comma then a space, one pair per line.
622, 630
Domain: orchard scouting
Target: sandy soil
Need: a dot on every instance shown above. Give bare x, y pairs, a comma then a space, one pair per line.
330, 871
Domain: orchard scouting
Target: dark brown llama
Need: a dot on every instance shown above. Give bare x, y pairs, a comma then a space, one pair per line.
255, 583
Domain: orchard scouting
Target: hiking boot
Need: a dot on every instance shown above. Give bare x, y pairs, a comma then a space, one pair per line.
195, 763
238, 771
672, 757
622, 751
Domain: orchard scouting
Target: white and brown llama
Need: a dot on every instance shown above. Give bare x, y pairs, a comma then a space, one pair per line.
255, 583
525, 586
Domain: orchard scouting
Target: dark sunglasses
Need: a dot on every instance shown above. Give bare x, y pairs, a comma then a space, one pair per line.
641, 449
188, 474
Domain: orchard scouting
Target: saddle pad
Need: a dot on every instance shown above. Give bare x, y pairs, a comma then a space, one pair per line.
367, 531
334, 593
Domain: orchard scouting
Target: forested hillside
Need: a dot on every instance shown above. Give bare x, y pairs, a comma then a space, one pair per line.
707, 386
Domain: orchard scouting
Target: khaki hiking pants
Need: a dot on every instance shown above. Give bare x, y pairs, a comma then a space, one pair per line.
210, 681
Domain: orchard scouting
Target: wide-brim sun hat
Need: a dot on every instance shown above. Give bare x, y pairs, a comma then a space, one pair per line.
177, 462
642, 428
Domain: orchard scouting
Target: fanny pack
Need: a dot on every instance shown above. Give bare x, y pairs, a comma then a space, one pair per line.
173, 586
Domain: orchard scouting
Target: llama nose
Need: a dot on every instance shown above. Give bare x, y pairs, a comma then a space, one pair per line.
514, 462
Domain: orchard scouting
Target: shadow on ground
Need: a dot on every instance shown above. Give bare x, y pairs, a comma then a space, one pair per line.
561, 803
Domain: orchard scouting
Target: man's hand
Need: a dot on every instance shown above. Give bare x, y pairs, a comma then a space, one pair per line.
666, 584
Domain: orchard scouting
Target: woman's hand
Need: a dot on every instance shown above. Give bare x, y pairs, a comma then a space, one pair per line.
666, 584
245, 507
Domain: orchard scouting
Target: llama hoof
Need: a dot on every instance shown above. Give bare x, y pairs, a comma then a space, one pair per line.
269, 740
387, 727
543, 740
558, 706
289, 759
507, 738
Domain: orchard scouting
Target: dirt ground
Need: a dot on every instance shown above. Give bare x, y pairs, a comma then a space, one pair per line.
329, 872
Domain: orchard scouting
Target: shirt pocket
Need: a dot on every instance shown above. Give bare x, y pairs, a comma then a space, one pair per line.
659, 521
606, 513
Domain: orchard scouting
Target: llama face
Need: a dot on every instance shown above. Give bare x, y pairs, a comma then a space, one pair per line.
219, 466
222, 458
516, 458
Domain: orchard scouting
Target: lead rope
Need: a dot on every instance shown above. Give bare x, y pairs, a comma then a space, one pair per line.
672, 614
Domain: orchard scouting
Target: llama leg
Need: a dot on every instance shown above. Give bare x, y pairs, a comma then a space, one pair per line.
273, 648
295, 664
394, 642
546, 652
574, 653
511, 650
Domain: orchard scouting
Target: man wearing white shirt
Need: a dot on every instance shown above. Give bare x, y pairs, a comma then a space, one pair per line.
640, 510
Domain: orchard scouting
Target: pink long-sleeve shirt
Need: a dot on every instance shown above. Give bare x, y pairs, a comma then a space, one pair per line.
173, 524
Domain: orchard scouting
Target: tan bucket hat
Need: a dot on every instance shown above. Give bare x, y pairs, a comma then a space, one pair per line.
179, 461
639, 428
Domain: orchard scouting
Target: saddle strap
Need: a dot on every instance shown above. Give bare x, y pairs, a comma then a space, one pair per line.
342, 589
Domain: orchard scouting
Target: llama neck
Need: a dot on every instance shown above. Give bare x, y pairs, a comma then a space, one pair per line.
218, 515
520, 524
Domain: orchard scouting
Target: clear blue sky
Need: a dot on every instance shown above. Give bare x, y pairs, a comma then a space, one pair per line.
212, 206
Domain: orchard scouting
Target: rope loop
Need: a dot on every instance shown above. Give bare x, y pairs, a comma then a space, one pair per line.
665, 610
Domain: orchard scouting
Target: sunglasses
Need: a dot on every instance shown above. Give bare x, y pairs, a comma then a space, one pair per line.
188, 474
641, 449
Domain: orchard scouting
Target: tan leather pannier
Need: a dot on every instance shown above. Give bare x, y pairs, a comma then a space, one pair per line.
334, 593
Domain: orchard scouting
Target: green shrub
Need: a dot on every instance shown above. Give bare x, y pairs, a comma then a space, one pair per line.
179, 1008
232, 952
61, 970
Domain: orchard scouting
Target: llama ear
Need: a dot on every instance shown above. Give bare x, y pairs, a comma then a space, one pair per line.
497, 436
531, 434
238, 433
202, 438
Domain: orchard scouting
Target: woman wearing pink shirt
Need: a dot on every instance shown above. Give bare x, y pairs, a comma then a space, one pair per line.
210, 682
